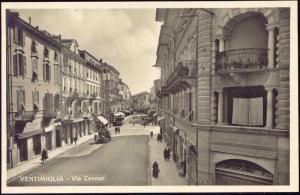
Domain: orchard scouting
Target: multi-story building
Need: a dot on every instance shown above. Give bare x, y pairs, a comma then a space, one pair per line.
154, 100
33, 90
225, 93
111, 90
125, 95
74, 110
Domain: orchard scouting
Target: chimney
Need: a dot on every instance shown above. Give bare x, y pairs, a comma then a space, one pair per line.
100, 60
29, 18
37, 27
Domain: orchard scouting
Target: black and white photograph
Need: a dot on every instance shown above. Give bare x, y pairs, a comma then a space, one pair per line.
153, 97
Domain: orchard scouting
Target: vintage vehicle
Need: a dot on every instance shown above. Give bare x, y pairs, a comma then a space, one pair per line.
118, 119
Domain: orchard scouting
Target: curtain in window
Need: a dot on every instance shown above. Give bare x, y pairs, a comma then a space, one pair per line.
240, 112
256, 111
248, 111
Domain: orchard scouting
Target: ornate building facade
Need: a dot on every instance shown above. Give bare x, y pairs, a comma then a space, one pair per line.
225, 93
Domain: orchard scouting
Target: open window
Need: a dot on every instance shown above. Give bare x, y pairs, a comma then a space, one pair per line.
245, 106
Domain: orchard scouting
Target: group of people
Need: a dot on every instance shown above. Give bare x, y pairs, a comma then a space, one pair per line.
167, 153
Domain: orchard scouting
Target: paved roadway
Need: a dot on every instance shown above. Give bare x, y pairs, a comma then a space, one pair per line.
123, 161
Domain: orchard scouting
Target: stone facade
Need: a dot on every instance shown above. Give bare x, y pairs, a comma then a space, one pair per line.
233, 65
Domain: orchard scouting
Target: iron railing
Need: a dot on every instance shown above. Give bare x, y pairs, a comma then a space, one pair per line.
248, 58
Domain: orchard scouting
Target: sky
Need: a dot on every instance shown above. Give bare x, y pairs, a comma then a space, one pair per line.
124, 38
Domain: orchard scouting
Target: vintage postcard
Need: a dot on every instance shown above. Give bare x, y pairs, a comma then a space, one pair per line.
149, 97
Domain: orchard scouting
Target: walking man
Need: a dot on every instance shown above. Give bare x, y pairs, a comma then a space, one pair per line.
151, 134
44, 155
165, 154
168, 153
75, 140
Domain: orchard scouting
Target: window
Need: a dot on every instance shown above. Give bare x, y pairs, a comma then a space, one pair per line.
33, 48
48, 103
47, 71
34, 62
19, 63
65, 60
56, 102
20, 100
55, 57
56, 73
19, 37
35, 97
46, 52
245, 106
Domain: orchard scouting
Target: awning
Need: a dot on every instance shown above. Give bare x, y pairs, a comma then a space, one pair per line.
29, 133
102, 119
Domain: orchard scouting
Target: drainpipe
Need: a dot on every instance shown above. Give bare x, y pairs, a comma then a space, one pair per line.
197, 158
9, 87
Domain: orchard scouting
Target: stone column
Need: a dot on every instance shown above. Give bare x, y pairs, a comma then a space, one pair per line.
220, 107
271, 46
269, 120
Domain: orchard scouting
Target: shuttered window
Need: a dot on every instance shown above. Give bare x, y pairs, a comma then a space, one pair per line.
19, 64
65, 60
56, 102
48, 103
20, 99
35, 97
19, 37
47, 72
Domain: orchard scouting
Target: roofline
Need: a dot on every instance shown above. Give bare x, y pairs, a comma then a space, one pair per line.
15, 17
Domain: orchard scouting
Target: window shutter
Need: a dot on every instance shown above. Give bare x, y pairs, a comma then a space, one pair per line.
51, 102
23, 97
24, 64
16, 35
44, 71
23, 37
18, 100
21, 64
49, 72
15, 65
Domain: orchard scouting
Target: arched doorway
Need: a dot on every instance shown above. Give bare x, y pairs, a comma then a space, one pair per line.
241, 172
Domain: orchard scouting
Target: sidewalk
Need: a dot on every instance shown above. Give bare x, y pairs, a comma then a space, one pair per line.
36, 161
168, 172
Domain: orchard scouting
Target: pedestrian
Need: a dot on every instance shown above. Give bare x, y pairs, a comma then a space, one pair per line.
168, 153
116, 129
151, 134
95, 138
165, 154
44, 155
119, 129
157, 138
75, 140
155, 169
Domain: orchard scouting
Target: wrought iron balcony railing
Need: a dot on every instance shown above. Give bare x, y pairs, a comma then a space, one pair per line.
184, 69
49, 114
242, 59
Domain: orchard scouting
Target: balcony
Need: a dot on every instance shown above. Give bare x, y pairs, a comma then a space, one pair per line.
242, 60
49, 114
183, 77
24, 116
